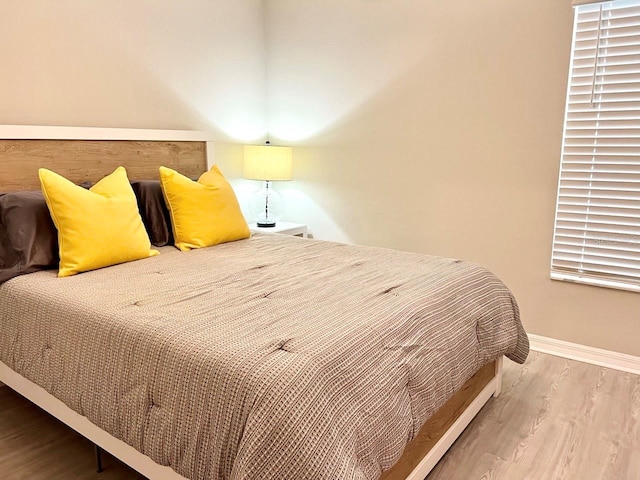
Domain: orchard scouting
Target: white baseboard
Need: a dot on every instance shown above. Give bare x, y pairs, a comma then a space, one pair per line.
583, 353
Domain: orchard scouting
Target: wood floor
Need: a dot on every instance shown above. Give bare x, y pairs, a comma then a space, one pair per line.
36, 446
556, 419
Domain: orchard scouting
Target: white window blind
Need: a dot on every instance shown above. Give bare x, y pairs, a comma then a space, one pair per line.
597, 226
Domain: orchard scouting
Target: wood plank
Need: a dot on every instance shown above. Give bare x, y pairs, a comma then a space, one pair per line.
90, 160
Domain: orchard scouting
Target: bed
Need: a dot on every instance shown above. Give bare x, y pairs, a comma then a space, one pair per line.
297, 371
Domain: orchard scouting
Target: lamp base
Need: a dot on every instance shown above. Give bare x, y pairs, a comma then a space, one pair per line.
266, 206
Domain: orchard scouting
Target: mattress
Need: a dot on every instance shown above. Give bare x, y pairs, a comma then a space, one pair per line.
274, 357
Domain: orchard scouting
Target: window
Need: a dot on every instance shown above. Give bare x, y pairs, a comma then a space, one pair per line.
597, 226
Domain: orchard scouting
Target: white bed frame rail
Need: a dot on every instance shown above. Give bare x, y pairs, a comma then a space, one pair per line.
84, 427
493, 388
147, 467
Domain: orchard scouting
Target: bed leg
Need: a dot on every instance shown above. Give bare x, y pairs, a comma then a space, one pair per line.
98, 459
498, 376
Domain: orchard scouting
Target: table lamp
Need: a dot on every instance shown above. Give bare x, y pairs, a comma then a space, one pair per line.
267, 163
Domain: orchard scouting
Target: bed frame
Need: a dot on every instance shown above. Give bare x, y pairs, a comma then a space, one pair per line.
82, 154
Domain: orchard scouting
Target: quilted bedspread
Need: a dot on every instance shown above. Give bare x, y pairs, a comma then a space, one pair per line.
274, 357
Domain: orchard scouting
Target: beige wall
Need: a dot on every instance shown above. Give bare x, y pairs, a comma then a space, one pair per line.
436, 127
430, 126
196, 64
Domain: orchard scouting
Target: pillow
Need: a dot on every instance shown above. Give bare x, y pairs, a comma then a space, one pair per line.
28, 237
9, 259
98, 227
203, 213
154, 212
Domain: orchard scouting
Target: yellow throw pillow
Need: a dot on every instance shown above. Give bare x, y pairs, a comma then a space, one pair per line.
98, 227
203, 213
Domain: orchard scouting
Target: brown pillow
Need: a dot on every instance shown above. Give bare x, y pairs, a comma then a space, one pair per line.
154, 212
28, 237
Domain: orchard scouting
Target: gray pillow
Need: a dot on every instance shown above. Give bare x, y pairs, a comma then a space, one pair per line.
154, 212
28, 237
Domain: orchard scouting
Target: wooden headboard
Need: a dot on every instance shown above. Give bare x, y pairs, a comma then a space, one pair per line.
82, 154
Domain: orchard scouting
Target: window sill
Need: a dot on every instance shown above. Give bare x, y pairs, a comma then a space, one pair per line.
595, 282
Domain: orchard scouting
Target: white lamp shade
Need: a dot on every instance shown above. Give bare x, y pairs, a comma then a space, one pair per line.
266, 162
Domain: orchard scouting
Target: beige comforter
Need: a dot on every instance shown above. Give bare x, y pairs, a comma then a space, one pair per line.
269, 358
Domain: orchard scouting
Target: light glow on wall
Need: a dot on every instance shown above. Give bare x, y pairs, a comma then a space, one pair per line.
312, 89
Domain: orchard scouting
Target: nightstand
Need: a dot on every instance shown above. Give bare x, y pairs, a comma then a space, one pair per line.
284, 228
